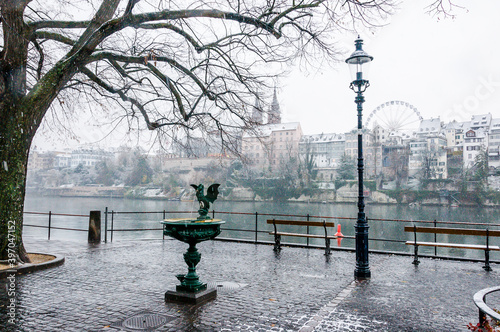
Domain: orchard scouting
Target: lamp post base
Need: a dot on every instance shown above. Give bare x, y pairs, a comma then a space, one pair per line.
191, 298
362, 274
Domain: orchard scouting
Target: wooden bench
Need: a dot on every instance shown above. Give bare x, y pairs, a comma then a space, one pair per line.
455, 231
324, 224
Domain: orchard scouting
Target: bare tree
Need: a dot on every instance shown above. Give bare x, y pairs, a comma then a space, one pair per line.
307, 163
180, 66
396, 163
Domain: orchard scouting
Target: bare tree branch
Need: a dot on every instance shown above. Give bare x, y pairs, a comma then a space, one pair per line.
123, 96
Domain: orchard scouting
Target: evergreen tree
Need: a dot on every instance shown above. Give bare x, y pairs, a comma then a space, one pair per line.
141, 173
104, 175
347, 168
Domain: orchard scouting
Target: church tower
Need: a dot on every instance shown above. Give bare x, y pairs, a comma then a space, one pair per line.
274, 115
257, 112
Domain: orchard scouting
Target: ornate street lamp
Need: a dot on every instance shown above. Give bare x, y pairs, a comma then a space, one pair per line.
358, 63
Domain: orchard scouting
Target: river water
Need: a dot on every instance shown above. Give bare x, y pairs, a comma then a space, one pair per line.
378, 228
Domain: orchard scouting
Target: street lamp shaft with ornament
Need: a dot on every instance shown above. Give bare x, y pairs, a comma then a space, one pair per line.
358, 63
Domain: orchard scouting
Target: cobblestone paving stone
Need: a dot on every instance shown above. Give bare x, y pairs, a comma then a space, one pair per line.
435, 296
99, 286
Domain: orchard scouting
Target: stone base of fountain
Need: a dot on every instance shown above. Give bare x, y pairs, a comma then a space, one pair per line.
191, 298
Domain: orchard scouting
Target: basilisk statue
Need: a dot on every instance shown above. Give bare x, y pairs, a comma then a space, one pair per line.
205, 201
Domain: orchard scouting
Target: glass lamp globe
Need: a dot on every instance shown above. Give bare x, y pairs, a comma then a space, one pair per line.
359, 62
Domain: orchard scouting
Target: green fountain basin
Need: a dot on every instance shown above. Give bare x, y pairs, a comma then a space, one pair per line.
192, 231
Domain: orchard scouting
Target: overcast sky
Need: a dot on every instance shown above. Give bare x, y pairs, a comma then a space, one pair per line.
447, 68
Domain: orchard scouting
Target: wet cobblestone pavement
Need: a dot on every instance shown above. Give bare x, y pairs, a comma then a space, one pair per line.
102, 287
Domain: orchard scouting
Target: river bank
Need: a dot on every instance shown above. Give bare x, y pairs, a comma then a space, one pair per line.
347, 194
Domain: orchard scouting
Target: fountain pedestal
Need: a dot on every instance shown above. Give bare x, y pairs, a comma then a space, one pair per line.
191, 231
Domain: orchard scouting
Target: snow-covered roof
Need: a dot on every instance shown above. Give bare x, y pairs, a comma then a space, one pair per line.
268, 129
457, 125
482, 120
319, 138
429, 126
495, 126
479, 133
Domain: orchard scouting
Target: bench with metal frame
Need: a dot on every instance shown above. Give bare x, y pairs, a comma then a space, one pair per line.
454, 231
324, 224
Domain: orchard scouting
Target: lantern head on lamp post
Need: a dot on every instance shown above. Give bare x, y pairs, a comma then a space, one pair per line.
358, 63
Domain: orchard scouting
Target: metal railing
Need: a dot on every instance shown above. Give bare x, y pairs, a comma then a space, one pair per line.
484, 309
258, 233
49, 227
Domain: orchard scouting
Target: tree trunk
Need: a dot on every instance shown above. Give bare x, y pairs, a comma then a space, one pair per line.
14, 149
15, 132
21, 113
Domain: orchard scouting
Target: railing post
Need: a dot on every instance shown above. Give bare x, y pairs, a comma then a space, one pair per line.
50, 221
112, 218
213, 214
435, 238
164, 217
415, 258
106, 225
482, 318
307, 239
94, 227
487, 252
256, 225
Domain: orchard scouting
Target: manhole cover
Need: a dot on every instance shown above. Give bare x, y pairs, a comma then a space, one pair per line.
225, 285
144, 321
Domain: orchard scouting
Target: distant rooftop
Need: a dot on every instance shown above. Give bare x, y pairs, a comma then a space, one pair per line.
482, 120
331, 137
268, 129
430, 126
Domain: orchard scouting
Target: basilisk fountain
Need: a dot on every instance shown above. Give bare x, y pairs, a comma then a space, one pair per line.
192, 231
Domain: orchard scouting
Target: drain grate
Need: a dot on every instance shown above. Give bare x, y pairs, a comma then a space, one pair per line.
144, 321
225, 285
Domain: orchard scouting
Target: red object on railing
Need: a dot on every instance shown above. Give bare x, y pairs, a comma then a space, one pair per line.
339, 232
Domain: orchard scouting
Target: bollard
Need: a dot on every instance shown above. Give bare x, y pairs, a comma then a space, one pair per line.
95, 227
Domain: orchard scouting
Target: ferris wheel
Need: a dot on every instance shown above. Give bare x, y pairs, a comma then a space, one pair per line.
395, 115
